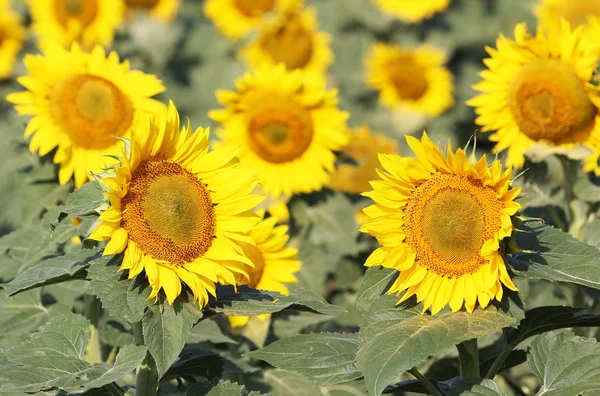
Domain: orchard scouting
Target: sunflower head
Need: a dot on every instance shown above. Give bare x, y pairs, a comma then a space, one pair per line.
237, 18
80, 103
410, 11
160, 10
177, 211
87, 22
363, 148
12, 35
274, 262
294, 40
537, 90
575, 12
412, 79
440, 221
287, 127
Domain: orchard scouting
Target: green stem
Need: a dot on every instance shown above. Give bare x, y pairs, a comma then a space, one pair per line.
468, 357
425, 382
495, 367
91, 310
146, 381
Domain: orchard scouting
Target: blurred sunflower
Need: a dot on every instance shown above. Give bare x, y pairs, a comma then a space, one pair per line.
177, 210
87, 22
160, 10
412, 79
538, 90
12, 34
287, 127
440, 220
576, 12
363, 147
236, 18
411, 11
274, 262
294, 40
81, 102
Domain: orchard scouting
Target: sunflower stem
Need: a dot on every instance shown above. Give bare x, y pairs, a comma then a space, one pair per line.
91, 310
468, 357
146, 381
425, 382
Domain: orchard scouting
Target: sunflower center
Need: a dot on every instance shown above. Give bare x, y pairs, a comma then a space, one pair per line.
83, 11
254, 8
408, 79
291, 44
280, 133
577, 12
168, 212
91, 110
549, 101
142, 3
256, 273
448, 219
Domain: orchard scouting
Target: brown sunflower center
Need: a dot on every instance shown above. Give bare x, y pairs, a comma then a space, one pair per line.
408, 78
254, 8
255, 274
448, 218
291, 44
549, 101
280, 132
142, 3
84, 11
168, 212
91, 110
578, 11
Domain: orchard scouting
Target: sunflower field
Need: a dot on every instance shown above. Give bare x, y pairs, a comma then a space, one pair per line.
300, 197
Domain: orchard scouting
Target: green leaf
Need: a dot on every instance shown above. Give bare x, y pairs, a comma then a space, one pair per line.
250, 302
85, 200
288, 323
124, 299
53, 358
325, 358
376, 282
393, 341
21, 314
208, 330
54, 270
166, 328
222, 388
565, 364
202, 364
585, 190
560, 256
290, 384
477, 387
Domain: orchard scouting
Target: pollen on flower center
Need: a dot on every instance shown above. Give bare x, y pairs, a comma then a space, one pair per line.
142, 3
254, 8
448, 219
280, 133
408, 78
82, 10
291, 44
549, 101
92, 110
576, 12
168, 212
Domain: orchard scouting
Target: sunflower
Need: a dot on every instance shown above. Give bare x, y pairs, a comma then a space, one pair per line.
538, 90
160, 10
236, 18
294, 40
87, 22
411, 11
81, 102
576, 12
287, 127
411, 79
440, 220
178, 211
363, 148
274, 262
12, 34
